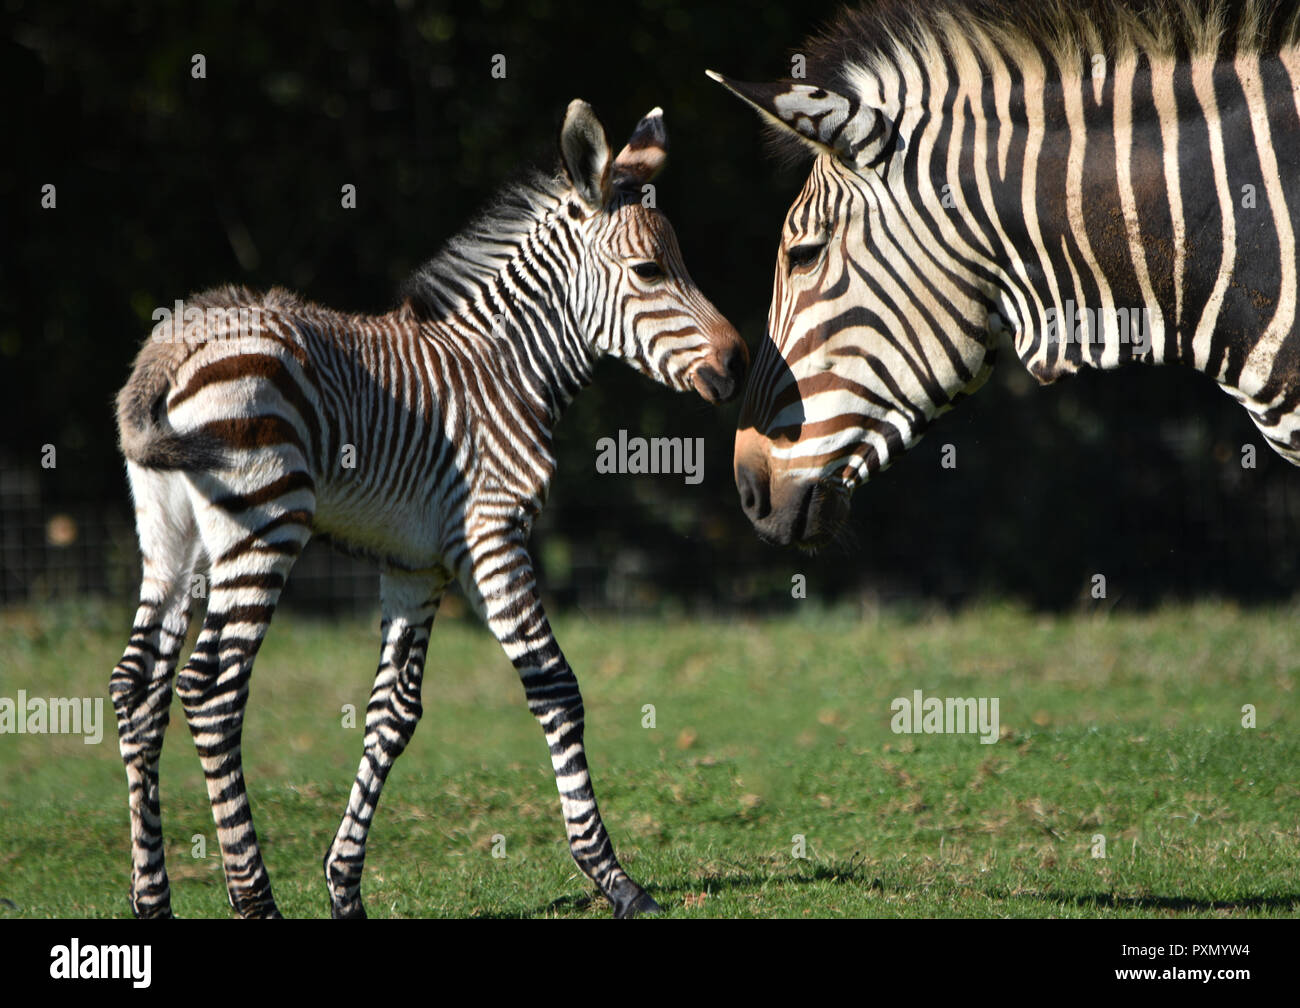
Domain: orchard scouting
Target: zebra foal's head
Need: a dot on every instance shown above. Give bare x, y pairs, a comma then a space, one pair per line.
634, 295
875, 326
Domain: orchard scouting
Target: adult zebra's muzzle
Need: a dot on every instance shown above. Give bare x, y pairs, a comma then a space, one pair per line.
785, 510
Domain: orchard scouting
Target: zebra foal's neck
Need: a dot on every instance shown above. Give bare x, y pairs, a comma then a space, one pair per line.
500, 289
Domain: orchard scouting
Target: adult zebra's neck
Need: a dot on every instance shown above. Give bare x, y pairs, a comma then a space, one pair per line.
1144, 211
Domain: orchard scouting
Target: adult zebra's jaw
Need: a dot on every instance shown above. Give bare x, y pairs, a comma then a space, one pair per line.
811, 518
786, 511
826, 512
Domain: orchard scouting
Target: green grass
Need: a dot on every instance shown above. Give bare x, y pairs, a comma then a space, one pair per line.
1123, 725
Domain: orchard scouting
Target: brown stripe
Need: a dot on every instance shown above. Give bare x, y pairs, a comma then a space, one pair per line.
254, 432
296, 480
270, 582
254, 540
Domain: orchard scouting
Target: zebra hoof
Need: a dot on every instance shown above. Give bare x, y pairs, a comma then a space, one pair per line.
262, 913
159, 911
635, 902
257, 909
355, 911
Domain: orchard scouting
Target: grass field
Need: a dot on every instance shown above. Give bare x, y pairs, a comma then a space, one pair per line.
1128, 726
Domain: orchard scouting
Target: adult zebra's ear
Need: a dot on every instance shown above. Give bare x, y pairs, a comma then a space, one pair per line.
585, 154
830, 123
644, 156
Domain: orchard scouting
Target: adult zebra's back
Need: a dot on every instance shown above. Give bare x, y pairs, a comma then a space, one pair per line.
421, 438
1109, 182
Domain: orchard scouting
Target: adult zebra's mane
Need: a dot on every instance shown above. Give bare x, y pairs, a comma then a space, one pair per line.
1065, 32
480, 249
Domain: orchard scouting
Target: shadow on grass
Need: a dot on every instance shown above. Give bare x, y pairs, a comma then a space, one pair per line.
672, 893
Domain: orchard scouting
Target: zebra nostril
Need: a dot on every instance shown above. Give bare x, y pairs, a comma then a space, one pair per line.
754, 500
714, 385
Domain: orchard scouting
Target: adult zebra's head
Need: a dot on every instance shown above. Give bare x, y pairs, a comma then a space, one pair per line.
875, 326
635, 296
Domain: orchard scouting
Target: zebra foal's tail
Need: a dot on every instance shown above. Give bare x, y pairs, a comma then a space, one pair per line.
147, 439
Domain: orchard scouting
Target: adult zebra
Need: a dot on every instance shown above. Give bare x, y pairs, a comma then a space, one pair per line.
1110, 183
421, 438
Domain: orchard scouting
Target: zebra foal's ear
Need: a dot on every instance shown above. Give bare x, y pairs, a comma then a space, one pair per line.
644, 156
828, 122
584, 151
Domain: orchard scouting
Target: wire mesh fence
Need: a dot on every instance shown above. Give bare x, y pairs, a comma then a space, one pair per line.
65, 552
53, 552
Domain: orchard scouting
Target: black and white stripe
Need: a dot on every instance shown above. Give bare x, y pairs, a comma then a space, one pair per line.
421, 438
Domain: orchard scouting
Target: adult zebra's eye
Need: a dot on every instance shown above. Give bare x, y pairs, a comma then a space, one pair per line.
804, 255
648, 270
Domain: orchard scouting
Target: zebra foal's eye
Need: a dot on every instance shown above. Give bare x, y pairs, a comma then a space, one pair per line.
648, 270
804, 255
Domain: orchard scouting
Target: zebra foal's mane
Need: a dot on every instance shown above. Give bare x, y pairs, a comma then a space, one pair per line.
479, 251
476, 253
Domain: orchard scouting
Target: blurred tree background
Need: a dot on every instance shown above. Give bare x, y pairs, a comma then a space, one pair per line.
167, 184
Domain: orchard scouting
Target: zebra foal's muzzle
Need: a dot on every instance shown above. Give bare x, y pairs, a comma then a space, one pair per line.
720, 375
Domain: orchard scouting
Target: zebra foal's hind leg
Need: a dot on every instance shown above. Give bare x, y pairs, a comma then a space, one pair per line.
499, 580
253, 544
410, 602
141, 684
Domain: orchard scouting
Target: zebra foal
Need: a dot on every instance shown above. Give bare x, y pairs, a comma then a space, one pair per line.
421, 438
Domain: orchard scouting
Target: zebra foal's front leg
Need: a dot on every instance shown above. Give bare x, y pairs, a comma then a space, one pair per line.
410, 603
501, 583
